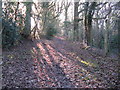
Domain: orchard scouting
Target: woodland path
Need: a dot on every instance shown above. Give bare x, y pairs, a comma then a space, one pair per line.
57, 63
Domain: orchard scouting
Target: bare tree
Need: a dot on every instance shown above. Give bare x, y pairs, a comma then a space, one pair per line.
89, 12
76, 16
66, 7
27, 28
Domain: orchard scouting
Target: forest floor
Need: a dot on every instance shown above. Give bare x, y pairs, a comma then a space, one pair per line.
57, 63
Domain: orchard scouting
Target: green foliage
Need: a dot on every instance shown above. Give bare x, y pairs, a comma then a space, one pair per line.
51, 31
10, 34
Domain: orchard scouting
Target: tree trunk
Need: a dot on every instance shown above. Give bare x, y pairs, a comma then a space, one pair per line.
98, 32
0, 23
106, 38
118, 21
89, 12
0, 43
27, 29
76, 15
86, 22
44, 17
66, 31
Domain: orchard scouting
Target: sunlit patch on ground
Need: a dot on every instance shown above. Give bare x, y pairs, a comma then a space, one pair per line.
62, 38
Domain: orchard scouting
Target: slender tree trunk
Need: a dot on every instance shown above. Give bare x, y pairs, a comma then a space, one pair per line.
76, 15
98, 32
118, 22
89, 29
106, 38
0, 22
44, 15
44, 22
27, 29
86, 22
1, 43
66, 31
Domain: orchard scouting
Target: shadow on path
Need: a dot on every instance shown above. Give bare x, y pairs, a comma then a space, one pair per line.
49, 72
